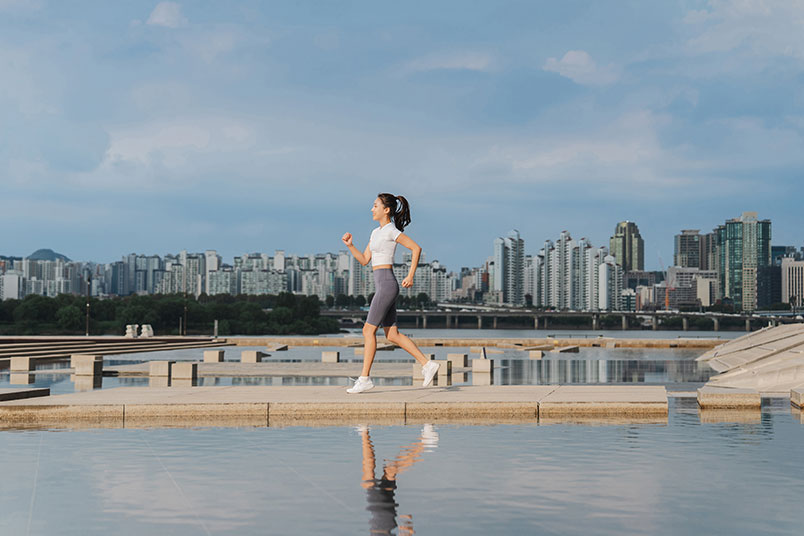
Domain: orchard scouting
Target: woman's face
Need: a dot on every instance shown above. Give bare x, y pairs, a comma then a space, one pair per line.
378, 210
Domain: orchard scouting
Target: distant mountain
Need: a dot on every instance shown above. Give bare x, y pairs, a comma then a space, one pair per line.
46, 255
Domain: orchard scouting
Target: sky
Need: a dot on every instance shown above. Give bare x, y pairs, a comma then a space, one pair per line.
249, 126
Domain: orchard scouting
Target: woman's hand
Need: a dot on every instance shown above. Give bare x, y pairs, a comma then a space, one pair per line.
347, 239
407, 282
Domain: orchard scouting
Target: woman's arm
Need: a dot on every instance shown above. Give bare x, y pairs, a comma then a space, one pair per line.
362, 258
408, 242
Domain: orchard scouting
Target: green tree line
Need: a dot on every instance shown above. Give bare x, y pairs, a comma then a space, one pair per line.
282, 314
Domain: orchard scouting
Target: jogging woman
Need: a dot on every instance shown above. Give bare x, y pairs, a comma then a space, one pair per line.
393, 214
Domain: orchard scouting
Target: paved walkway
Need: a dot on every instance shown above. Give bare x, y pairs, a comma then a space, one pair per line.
264, 405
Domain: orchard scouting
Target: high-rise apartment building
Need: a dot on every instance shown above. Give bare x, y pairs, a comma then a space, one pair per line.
687, 249
509, 268
743, 247
792, 281
627, 246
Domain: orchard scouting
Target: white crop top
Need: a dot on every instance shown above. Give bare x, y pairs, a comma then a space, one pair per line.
383, 244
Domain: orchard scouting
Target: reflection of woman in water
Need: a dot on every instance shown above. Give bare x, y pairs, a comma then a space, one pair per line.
393, 214
380, 492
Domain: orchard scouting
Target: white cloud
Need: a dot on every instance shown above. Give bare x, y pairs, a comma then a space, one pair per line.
167, 14
762, 27
452, 61
578, 66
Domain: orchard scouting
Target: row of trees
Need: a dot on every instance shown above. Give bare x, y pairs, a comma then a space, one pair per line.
420, 301
243, 315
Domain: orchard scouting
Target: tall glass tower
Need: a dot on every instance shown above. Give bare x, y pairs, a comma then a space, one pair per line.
627, 246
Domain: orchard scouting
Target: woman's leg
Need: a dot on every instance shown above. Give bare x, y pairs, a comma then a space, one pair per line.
404, 342
369, 347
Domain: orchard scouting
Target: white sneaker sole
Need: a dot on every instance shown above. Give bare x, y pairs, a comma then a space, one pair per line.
352, 390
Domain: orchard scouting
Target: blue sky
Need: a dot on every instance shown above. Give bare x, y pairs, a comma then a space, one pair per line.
251, 126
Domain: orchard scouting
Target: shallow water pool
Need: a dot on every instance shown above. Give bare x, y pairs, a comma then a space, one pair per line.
691, 475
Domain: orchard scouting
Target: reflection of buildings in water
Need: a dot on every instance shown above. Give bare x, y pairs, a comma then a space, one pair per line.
595, 371
380, 492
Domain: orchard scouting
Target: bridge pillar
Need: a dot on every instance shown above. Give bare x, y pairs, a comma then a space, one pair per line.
494, 324
545, 322
716, 322
654, 322
624, 322
595, 322
535, 322
417, 321
448, 319
479, 322
685, 323
747, 324
424, 321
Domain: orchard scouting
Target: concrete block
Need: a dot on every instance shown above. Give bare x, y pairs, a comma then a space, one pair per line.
458, 360
184, 382
86, 365
568, 349
330, 357
277, 348
213, 356
481, 378
20, 378
535, 354
160, 368
797, 397
251, 356
727, 398
87, 383
184, 371
445, 368
158, 381
21, 364
482, 365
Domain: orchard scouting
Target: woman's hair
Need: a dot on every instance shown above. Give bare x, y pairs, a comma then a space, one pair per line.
400, 209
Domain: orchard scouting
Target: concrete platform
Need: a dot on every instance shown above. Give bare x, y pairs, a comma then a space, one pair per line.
234, 369
268, 405
710, 397
22, 393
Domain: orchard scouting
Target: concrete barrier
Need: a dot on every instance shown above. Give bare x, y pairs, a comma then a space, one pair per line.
251, 356
481, 378
21, 364
330, 357
458, 360
87, 383
86, 365
213, 356
535, 354
160, 368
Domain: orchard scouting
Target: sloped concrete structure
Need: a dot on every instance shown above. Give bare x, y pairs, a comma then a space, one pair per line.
770, 360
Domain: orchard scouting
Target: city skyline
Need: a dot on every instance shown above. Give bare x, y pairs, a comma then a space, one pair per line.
157, 126
536, 244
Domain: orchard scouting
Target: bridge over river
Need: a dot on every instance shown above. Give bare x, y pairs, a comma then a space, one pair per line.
523, 318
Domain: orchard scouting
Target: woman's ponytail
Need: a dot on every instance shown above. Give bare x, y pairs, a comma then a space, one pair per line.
400, 209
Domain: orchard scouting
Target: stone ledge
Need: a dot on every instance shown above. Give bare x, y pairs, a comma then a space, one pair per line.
710, 397
471, 409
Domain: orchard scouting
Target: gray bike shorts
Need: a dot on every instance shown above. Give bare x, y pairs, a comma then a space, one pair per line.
382, 311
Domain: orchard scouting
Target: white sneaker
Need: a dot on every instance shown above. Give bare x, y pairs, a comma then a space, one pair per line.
429, 371
363, 383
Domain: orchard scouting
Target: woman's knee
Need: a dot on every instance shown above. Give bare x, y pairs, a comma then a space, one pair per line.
369, 330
